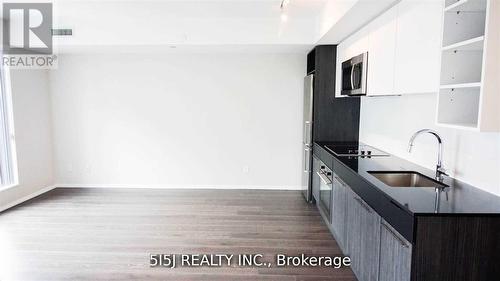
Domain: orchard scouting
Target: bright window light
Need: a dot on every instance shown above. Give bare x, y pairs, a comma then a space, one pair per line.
8, 174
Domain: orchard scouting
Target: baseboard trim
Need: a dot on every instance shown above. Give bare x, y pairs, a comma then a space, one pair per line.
61, 185
27, 197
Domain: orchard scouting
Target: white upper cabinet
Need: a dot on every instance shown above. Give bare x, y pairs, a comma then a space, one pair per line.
359, 43
418, 47
404, 47
381, 50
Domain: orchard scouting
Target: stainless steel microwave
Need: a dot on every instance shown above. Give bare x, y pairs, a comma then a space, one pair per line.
354, 76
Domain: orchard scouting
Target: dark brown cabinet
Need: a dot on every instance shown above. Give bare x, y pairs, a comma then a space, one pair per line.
363, 237
395, 255
377, 251
339, 211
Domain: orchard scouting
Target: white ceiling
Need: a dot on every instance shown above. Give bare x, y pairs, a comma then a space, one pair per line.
180, 23
135, 25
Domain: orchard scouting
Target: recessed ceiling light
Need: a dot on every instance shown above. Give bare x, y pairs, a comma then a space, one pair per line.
284, 17
284, 3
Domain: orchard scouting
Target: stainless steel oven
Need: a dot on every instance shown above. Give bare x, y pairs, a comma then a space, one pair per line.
325, 189
354, 75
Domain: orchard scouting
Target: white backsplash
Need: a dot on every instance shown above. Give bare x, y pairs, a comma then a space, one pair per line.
389, 122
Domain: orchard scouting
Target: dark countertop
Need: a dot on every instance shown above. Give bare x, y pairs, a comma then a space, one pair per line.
460, 198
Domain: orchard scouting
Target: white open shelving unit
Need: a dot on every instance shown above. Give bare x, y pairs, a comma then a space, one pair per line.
461, 99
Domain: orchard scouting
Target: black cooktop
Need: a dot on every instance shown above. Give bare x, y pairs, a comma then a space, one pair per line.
355, 150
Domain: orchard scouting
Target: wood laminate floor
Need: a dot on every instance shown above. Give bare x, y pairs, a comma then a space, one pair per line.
108, 234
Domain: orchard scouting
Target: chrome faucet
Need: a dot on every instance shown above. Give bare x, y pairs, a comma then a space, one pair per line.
440, 171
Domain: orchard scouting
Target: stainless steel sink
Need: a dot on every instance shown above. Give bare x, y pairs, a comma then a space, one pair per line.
406, 179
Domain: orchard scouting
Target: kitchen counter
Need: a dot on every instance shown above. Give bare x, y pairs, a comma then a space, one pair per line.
404, 207
402, 228
459, 198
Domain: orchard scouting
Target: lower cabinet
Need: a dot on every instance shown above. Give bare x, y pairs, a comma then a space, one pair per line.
395, 255
380, 253
339, 210
363, 238
353, 231
377, 251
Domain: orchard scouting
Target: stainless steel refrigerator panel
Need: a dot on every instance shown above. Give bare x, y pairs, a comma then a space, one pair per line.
307, 138
308, 110
306, 172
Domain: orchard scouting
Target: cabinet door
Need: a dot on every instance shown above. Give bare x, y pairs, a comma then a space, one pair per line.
353, 231
363, 238
370, 242
395, 255
382, 53
358, 43
418, 44
339, 210
315, 178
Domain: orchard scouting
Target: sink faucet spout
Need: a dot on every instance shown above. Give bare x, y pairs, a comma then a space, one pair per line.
440, 171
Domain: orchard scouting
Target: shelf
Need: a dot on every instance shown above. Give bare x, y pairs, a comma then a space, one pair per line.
462, 85
474, 44
459, 107
467, 95
467, 6
465, 126
461, 27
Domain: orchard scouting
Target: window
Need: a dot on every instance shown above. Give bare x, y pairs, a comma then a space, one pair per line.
8, 174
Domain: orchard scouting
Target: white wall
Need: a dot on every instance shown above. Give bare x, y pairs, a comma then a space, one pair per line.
178, 120
33, 130
389, 122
